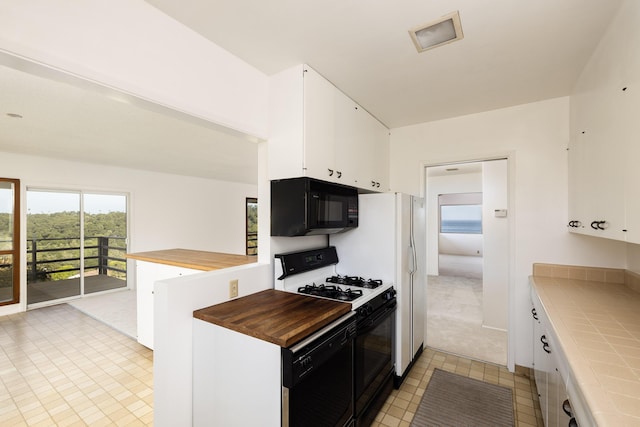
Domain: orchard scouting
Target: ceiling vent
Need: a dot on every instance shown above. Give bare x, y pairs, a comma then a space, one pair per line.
437, 33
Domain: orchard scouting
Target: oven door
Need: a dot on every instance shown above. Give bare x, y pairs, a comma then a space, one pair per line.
317, 383
373, 367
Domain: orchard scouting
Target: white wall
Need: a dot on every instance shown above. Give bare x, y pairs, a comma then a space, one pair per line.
495, 264
166, 211
535, 136
460, 183
132, 46
460, 244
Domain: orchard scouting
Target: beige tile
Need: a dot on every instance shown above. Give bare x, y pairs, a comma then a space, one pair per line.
577, 273
595, 275
403, 405
614, 276
60, 375
561, 272
542, 270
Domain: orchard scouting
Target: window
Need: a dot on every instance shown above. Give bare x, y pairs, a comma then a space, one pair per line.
252, 226
461, 213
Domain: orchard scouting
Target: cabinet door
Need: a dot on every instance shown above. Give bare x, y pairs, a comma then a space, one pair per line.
540, 367
319, 127
363, 148
578, 190
554, 404
366, 160
606, 165
147, 273
347, 139
380, 151
631, 102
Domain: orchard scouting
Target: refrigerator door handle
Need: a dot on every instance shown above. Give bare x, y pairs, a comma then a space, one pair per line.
412, 242
412, 260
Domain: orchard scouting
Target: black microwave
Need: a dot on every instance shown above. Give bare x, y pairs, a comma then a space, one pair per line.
306, 206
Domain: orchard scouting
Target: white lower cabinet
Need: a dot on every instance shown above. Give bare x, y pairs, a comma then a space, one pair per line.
549, 370
147, 273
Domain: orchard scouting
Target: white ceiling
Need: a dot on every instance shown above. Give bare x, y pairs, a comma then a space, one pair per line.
513, 52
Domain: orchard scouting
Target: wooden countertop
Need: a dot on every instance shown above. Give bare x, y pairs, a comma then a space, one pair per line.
198, 260
282, 318
598, 328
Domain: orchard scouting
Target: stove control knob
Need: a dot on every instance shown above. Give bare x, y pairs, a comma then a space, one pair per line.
364, 310
389, 295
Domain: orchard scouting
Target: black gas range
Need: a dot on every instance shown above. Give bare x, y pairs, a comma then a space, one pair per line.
313, 273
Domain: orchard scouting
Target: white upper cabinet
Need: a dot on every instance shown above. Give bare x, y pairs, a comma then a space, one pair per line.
320, 127
596, 168
604, 176
318, 131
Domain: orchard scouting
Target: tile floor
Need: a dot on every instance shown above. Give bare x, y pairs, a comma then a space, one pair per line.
61, 367
401, 405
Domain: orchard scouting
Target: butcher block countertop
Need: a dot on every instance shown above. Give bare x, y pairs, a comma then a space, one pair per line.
197, 260
281, 318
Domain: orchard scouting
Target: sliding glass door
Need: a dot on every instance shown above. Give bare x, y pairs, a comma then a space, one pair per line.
105, 242
75, 244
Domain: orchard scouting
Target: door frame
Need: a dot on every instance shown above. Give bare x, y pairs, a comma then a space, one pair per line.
81, 191
510, 156
16, 251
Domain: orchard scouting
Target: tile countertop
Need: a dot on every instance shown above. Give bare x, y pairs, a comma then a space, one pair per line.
598, 327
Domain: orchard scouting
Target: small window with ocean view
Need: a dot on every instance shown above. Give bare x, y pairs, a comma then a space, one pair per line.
462, 219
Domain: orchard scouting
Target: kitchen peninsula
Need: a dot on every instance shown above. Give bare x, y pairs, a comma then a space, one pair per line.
237, 351
204, 282
169, 263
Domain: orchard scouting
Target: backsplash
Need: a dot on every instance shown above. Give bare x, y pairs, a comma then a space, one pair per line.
596, 274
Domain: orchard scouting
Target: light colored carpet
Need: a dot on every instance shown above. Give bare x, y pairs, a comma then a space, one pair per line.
452, 400
454, 320
116, 309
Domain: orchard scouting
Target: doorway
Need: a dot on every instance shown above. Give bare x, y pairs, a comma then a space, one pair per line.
467, 259
76, 244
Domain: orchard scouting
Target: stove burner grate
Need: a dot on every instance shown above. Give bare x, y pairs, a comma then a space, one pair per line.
354, 281
330, 291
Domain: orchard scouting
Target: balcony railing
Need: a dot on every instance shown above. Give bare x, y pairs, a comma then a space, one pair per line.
252, 243
47, 257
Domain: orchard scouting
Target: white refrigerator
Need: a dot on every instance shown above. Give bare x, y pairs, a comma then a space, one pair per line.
390, 244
